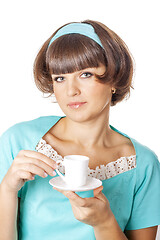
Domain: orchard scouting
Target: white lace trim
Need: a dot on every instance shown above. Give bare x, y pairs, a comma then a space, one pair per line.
101, 172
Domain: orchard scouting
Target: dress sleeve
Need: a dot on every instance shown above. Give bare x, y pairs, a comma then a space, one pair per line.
6, 154
146, 203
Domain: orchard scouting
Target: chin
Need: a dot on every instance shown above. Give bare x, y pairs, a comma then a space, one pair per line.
77, 117
83, 115
80, 117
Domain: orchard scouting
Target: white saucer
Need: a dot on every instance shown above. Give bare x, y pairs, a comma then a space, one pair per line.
91, 184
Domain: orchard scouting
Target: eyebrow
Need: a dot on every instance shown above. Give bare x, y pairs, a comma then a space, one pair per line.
85, 69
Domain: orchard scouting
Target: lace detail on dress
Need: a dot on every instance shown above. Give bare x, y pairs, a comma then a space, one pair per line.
103, 172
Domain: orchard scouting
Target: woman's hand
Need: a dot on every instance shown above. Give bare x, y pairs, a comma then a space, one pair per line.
94, 211
25, 166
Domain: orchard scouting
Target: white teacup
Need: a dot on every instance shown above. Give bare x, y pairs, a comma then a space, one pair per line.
76, 170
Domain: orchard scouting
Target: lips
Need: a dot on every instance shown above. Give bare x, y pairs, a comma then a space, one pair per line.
76, 104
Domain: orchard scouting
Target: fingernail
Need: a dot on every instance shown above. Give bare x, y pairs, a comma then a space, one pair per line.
45, 174
55, 166
54, 173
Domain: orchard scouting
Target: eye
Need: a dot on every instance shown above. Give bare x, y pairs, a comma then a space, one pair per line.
58, 79
86, 75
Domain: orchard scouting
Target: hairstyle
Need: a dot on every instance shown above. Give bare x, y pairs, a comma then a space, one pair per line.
74, 52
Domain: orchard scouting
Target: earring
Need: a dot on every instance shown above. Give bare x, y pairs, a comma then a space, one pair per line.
113, 91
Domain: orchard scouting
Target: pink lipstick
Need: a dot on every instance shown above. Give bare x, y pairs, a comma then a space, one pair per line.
76, 105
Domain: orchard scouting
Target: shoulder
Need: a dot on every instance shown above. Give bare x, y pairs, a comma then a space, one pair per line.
30, 125
28, 129
144, 154
127, 149
147, 166
123, 145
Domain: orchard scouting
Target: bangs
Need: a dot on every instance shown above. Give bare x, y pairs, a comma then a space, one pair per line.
74, 52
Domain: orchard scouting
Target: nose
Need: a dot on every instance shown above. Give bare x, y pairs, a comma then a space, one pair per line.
73, 87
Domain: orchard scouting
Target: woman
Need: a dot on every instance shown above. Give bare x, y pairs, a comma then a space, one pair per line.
88, 68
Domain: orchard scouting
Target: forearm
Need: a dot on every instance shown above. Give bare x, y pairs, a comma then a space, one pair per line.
109, 230
8, 214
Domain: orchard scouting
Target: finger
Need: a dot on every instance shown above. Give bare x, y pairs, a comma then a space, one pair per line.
40, 156
65, 193
101, 197
48, 169
73, 197
25, 175
33, 169
97, 190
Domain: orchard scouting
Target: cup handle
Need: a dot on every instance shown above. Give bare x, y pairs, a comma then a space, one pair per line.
60, 174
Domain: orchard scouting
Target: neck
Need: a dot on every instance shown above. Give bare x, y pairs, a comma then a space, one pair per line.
95, 132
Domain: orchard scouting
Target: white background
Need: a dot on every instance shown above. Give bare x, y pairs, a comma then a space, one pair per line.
25, 25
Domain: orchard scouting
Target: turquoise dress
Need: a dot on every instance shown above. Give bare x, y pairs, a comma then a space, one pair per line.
134, 195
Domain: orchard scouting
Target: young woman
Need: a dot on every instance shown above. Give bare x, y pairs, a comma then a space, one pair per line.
88, 68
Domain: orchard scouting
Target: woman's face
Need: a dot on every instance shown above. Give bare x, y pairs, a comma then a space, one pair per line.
80, 96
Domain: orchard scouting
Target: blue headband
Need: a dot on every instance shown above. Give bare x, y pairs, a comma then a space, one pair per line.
81, 28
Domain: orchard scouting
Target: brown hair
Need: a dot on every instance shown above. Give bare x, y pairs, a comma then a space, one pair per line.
73, 52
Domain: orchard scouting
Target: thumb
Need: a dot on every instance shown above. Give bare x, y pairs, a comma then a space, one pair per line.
97, 191
99, 195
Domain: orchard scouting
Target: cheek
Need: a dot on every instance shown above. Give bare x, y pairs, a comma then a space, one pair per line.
100, 91
58, 93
